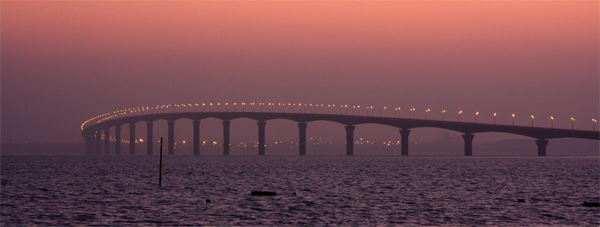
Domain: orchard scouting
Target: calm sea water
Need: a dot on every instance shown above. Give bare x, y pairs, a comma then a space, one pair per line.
373, 190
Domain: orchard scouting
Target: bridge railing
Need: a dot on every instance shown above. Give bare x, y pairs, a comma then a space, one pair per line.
333, 109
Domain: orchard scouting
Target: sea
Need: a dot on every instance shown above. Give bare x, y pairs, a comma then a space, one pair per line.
311, 191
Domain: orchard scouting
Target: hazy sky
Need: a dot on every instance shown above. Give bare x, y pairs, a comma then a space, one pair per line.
65, 62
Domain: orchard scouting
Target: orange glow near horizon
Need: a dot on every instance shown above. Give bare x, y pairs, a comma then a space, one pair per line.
69, 60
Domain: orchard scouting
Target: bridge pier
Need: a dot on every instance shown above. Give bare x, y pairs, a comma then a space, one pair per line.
541, 144
132, 139
106, 141
349, 140
226, 124
171, 131
118, 140
149, 138
89, 144
404, 141
98, 143
302, 139
261, 137
468, 138
196, 124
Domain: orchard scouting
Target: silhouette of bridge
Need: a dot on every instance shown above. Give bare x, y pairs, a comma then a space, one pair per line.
93, 134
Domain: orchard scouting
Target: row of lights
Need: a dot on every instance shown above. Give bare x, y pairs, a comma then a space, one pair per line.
291, 108
255, 143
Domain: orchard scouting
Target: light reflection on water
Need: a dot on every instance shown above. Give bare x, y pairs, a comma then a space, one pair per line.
367, 190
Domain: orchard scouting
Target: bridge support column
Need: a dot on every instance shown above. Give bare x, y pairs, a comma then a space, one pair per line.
349, 140
132, 139
261, 137
149, 138
404, 141
118, 140
98, 150
226, 124
468, 138
302, 139
106, 141
89, 144
541, 144
171, 129
196, 124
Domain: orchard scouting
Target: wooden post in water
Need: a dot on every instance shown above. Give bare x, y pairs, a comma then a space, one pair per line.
160, 164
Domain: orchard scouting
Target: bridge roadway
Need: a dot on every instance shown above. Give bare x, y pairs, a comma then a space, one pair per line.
93, 133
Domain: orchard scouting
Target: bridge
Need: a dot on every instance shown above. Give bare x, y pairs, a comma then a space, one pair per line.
94, 133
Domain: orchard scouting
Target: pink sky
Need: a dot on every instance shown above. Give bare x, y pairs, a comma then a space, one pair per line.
64, 62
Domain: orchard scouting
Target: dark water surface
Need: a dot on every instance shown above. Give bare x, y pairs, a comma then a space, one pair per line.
372, 190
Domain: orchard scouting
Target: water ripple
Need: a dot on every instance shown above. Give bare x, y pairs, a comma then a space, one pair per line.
329, 191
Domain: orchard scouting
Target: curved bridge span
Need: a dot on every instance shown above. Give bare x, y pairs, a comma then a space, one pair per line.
93, 134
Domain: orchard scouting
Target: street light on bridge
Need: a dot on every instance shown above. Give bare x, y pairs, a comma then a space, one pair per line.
594, 124
477, 117
572, 123
494, 118
459, 116
443, 115
532, 121
513, 119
